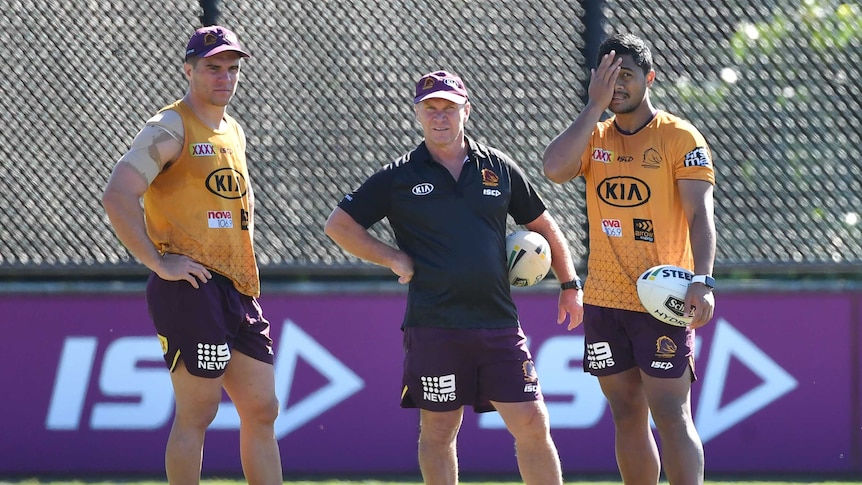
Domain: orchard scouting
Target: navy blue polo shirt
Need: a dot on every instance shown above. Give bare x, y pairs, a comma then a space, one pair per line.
455, 231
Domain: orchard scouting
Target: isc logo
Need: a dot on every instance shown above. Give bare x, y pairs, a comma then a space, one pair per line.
492, 192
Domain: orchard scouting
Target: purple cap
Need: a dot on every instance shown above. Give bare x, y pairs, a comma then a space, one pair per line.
212, 40
441, 84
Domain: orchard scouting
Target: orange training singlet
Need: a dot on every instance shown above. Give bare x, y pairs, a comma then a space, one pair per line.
201, 205
633, 205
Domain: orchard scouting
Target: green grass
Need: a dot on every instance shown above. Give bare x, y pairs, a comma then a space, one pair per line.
408, 481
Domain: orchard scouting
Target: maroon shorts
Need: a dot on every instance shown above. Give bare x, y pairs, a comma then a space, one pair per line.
446, 368
617, 340
201, 327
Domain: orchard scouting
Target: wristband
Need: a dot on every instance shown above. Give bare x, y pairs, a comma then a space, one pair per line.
704, 279
575, 284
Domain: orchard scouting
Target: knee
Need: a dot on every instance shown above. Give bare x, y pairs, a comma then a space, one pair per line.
627, 406
438, 432
531, 425
198, 416
264, 411
669, 416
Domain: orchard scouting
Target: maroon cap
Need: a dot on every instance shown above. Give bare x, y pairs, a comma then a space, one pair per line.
441, 84
209, 41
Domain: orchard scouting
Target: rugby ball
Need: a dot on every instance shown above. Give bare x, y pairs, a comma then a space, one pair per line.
662, 289
529, 258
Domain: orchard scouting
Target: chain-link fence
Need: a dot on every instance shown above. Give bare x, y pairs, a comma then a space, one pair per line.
775, 86
326, 100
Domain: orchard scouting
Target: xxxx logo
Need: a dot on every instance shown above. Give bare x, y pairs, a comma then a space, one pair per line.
601, 155
202, 149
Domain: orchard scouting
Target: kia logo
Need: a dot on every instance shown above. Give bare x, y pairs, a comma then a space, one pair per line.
623, 191
227, 183
423, 189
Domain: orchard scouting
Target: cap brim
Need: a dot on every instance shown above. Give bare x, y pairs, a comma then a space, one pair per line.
447, 95
226, 48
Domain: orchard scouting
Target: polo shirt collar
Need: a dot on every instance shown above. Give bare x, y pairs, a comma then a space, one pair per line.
474, 150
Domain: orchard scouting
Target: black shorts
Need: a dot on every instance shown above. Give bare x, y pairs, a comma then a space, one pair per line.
447, 368
617, 340
201, 327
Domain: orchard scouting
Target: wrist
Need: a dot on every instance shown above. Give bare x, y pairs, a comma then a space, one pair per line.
574, 284
704, 279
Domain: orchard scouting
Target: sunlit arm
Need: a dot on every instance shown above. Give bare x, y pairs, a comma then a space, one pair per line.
570, 301
356, 240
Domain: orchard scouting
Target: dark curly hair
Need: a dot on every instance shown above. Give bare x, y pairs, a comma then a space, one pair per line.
628, 44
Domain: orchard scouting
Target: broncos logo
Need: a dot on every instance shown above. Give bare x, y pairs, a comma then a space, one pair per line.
665, 347
489, 178
529, 371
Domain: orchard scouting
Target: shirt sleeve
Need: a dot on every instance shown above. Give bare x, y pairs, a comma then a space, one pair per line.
695, 158
372, 200
143, 155
525, 204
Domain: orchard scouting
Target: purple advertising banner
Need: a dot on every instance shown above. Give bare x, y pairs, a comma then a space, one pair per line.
85, 390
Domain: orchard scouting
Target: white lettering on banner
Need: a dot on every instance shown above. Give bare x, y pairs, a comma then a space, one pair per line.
149, 398
712, 419
150, 388
293, 344
120, 377
559, 378
558, 363
73, 376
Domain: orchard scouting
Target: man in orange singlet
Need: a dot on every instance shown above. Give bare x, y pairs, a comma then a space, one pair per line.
195, 233
649, 189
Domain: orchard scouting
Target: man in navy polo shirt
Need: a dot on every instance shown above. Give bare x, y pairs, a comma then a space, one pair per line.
447, 201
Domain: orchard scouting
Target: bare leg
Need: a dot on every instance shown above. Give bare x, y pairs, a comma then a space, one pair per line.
197, 400
682, 450
636, 450
537, 455
250, 384
438, 456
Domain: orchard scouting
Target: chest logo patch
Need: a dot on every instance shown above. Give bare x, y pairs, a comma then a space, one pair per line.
623, 191
612, 227
652, 159
201, 150
227, 183
644, 230
602, 155
489, 178
424, 188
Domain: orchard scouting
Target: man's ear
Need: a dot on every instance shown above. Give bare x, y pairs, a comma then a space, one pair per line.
650, 77
467, 109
